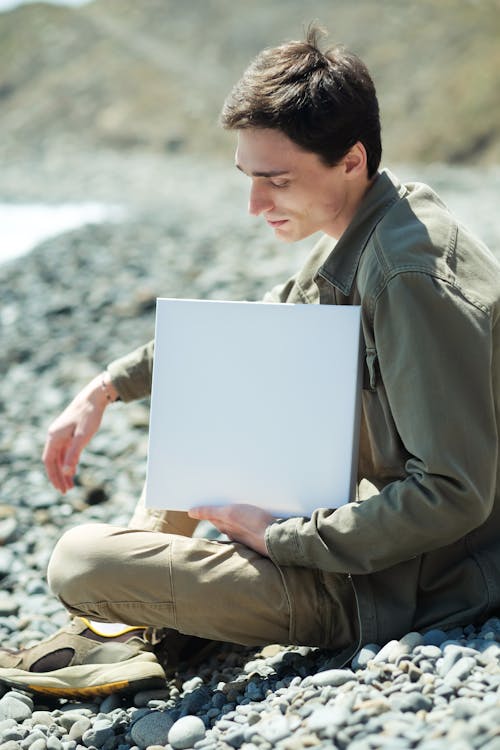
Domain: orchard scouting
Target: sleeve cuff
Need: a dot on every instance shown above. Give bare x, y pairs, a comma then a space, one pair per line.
284, 545
131, 375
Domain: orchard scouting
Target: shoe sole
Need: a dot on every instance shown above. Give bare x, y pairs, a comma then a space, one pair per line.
86, 681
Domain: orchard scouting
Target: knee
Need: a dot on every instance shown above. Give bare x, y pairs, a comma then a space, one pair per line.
76, 562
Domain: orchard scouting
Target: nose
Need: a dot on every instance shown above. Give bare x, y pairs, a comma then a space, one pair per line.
260, 199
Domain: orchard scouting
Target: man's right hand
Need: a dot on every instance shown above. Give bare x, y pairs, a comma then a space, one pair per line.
72, 430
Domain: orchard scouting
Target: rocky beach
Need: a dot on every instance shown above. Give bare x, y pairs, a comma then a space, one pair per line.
69, 307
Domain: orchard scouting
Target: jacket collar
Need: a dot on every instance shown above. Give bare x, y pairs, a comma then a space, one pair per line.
341, 264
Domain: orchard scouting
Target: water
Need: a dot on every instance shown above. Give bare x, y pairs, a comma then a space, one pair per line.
23, 226
472, 193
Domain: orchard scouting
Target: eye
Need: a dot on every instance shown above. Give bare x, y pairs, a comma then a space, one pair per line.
280, 183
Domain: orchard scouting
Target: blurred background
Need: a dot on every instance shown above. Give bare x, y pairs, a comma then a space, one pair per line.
153, 74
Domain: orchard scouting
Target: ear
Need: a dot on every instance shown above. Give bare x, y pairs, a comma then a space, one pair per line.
355, 162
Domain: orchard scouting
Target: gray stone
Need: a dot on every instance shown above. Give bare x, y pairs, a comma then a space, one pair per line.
67, 719
389, 652
185, 732
110, 703
254, 692
411, 702
434, 637
430, 652
143, 698
334, 677
235, 738
411, 640
365, 655
10, 745
78, 728
98, 734
38, 744
277, 728
151, 729
12, 707
459, 671
43, 717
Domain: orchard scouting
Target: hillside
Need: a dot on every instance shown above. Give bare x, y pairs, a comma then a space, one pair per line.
152, 75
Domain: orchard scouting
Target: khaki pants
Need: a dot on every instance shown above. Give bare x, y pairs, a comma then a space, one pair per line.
153, 573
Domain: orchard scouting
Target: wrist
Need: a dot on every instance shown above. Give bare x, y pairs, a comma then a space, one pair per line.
108, 390
101, 391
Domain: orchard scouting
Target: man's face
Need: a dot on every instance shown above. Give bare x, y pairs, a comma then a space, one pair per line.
291, 188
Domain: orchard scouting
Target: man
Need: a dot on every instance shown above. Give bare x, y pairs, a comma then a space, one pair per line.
423, 550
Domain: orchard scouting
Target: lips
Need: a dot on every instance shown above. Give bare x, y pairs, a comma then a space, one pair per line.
276, 223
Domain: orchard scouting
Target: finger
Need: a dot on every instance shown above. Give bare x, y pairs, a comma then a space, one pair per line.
206, 513
71, 457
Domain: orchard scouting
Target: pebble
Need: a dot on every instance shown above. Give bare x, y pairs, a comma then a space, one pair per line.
98, 734
365, 655
12, 707
151, 729
334, 677
185, 732
79, 728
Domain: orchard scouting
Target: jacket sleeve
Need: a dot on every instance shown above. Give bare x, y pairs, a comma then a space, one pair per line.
434, 351
132, 374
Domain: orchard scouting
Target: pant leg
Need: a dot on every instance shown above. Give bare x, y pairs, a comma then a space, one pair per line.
168, 521
218, 590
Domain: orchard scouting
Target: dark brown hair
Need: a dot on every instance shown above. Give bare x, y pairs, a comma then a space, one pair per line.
323, 101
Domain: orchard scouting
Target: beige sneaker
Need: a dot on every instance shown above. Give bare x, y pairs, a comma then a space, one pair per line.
81, 661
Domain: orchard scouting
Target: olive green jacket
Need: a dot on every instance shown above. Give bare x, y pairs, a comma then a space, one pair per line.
425, 550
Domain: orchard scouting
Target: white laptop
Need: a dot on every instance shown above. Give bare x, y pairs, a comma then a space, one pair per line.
254, 403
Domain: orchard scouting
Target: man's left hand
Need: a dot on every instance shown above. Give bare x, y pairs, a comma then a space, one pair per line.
242, 523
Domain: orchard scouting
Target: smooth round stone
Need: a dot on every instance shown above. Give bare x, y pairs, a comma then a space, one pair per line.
364, 655
9, 605
449, 659
53, 743
464, 708
434, 637
460, 671
98, 734
430, 652
389, 652
78, 728
16, 734
192, 684
411, 702
43, 717
13, 708
110, 703
411, 640
143, 698
7, 724
254, 691
9, 745
151, 729
277, 728
68, 718
22, 697
185, 732
333, 677
236, 738
38, 744
6, 560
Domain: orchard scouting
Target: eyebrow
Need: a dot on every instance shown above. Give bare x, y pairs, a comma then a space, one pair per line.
271, 173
